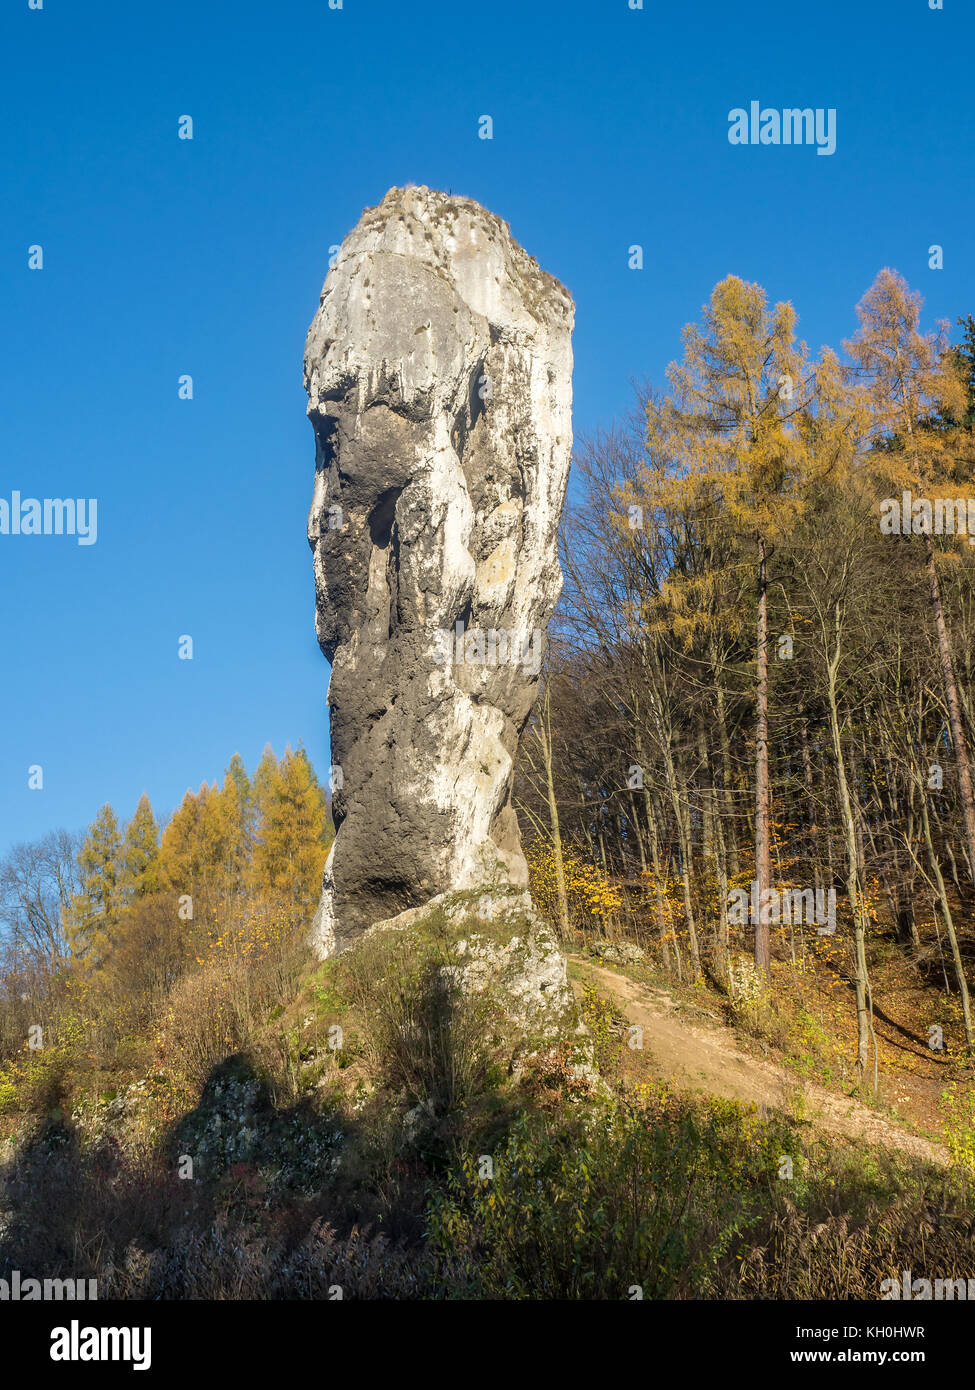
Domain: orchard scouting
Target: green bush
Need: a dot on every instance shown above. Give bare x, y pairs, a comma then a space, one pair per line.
430, 1041
9, 1093
645, 1195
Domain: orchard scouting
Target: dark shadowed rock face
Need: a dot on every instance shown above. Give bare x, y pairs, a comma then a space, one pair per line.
438, 370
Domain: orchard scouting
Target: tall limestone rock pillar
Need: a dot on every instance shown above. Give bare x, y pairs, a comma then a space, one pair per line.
438, 370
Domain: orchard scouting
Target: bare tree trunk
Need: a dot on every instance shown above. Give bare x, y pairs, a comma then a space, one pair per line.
705, 782
638, 833
854, 874
763, 873
807, 777
658, 880
682, 820
544, 734
948, 921
722, 953
727, 800
954, 706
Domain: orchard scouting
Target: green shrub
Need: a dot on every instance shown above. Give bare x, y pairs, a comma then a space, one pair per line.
9, 1093
958, 1113
644, 1194
428, 1039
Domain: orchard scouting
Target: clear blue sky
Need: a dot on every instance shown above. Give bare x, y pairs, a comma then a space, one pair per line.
165, 257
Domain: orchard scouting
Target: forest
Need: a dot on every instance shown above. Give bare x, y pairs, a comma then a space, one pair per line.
756, 685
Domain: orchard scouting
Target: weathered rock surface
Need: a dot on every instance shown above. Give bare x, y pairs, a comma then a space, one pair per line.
496, 948
438, 371
617, 952
523, 965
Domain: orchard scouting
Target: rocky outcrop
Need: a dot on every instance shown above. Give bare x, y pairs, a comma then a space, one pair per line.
617, 952
438, 374
490, 964
501, 944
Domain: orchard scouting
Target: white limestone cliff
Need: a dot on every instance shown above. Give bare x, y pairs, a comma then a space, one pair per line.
438, 370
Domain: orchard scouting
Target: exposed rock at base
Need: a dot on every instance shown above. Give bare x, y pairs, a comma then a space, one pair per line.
438, 371
525, 969
493, 947
617, 952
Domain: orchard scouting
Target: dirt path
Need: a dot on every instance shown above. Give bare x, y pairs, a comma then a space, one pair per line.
708, 1058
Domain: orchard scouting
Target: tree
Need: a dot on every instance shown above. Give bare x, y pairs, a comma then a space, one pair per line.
265, 781
540, 734
729, 429
238, 796
291, 844
839, 588
141, 852
37, 883
965, 360
195, 854
909, 377
96, 907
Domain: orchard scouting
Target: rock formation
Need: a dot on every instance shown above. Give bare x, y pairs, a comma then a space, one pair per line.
438, 371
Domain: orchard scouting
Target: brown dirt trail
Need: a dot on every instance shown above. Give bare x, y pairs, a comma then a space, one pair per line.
708, 1057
